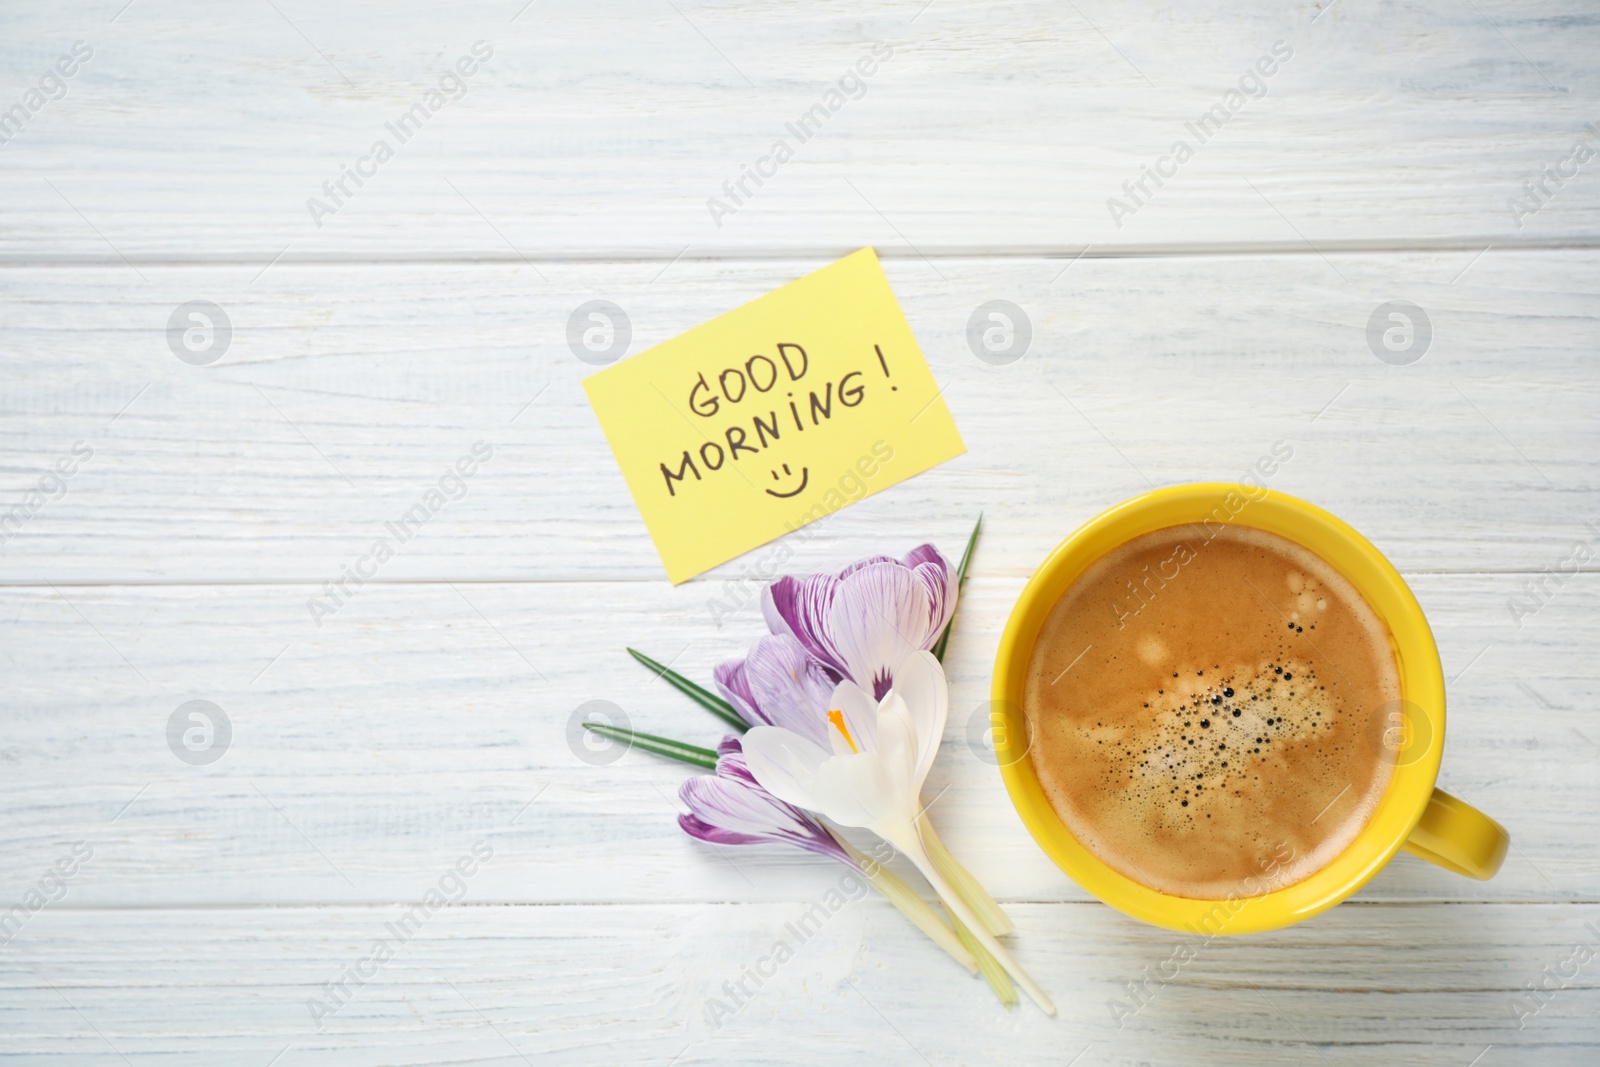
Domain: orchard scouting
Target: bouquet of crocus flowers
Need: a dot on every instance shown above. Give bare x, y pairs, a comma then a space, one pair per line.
842, 707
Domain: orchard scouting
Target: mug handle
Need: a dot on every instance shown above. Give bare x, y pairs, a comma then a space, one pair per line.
1458, 837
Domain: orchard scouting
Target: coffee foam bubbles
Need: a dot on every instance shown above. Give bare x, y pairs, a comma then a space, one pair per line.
1208, 734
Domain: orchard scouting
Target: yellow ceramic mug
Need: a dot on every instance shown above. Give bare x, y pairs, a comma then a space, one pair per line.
1412, 814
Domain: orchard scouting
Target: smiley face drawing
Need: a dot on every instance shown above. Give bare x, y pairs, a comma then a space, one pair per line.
805, 476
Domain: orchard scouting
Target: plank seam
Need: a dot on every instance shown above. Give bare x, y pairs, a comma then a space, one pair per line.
1354, 246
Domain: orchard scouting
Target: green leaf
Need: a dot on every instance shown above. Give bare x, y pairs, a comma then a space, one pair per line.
940, 645
705, 698
661, 746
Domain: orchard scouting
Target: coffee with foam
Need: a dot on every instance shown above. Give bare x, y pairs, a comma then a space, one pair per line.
1200, 706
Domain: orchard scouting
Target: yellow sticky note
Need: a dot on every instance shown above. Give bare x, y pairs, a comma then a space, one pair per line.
773, 415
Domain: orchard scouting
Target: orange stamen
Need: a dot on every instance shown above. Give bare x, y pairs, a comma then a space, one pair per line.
837, 718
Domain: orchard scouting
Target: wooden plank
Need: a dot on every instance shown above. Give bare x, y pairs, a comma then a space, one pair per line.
422, 717
606, 129
343, 395
1397, 985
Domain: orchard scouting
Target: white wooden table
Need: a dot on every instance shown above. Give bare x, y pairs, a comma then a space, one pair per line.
426, 309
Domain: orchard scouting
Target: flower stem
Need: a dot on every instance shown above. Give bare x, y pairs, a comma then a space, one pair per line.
993, 973
904, 837
994, 919
911, 906
699, 694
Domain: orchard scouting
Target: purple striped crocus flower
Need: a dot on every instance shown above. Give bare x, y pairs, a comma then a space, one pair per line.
780, 684
865, 621
730, 808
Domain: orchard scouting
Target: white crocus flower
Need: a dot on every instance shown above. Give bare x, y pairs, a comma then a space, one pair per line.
872, 774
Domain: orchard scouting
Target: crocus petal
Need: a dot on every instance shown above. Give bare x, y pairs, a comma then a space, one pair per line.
789, 686
869, 560
697, 827
731, 762
863, 622
879, 616
732, 680
785, 763
869, 788
858, 790
798, 607
731, 808
730, 811
933, 570
897, 746
920, 682
853, 790
860, 713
